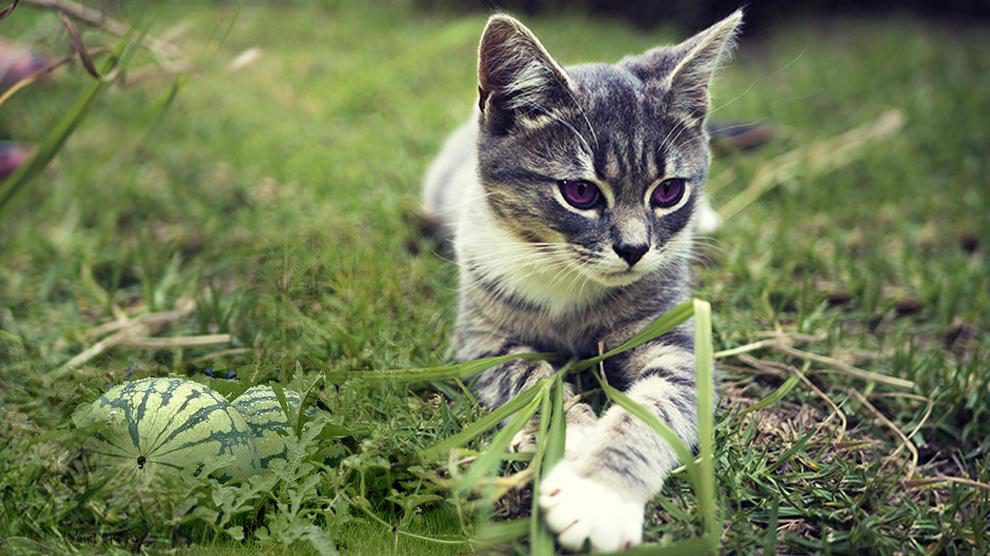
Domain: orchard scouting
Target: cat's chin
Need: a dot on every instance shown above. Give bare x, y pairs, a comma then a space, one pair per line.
618, 279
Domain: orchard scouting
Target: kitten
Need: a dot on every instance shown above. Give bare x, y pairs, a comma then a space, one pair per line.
572, 198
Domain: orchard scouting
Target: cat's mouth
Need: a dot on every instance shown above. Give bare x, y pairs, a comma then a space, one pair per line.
620, 277
605, 274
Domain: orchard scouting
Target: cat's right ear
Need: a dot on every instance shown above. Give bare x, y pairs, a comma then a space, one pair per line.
682, 74
518, 81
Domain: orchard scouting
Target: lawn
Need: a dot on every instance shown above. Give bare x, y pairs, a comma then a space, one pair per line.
273, 196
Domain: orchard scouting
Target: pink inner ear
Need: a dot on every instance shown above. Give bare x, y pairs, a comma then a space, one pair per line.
503, 43
482, 98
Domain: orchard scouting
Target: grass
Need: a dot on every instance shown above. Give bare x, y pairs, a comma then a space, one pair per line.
277, 196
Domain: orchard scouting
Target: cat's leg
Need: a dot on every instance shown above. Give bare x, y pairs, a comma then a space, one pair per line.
500, 384
581, 421
599, 492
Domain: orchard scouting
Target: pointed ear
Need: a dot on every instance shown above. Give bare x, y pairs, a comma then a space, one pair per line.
518, 80
683, 72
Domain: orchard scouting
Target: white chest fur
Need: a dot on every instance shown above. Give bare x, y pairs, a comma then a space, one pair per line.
541, 275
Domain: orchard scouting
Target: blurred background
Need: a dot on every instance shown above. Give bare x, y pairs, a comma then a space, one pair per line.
251, 171
760, 15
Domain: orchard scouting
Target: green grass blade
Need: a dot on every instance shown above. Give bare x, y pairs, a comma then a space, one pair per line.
690, 547
492, 455
770, 545
670, 320
540, 539
703, 354
501, 532
774, 397
786, 456
558, 425
678, 513
162, 106
428, 374
53, 143
682, 450
307, 398
484, 424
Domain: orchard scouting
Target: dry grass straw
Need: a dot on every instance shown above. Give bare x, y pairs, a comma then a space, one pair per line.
137, 332
782, 342
166, 54
815, 158
9, 9
779, 368
56, 138
31, 78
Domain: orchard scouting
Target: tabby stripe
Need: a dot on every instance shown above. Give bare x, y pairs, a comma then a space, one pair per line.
617, 454
497, 294
639, 455
682, 406
662, 410
684, 378
502, 349
523, 378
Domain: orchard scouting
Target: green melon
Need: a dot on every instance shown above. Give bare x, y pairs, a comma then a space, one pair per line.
170, 424
264, 415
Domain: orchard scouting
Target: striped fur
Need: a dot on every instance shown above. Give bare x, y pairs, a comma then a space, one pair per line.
540, 274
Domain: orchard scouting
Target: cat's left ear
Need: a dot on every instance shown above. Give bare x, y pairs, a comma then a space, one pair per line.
683, 73
518, 80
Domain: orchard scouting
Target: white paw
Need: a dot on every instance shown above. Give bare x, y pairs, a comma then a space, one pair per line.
577, 438
524, 441
579, 509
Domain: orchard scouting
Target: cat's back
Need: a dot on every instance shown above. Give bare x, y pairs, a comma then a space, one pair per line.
450, 176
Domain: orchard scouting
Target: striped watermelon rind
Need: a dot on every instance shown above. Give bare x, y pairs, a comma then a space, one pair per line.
260, 407
170, 424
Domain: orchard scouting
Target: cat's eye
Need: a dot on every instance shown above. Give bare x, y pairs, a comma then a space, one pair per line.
579, 193
668, 193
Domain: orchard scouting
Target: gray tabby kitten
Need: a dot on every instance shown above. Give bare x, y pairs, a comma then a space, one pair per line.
572, 198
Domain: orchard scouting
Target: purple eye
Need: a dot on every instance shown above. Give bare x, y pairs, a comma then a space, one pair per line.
579, 193
668, 193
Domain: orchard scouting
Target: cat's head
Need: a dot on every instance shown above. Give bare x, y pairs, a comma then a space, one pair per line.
600, 166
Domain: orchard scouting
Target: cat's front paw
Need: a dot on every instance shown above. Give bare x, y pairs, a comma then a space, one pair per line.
524, 441
578, 508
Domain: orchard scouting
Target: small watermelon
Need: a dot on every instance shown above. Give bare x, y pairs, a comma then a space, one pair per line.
260, 408
169, 424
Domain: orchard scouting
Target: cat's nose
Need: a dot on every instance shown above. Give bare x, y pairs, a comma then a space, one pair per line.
631, 252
